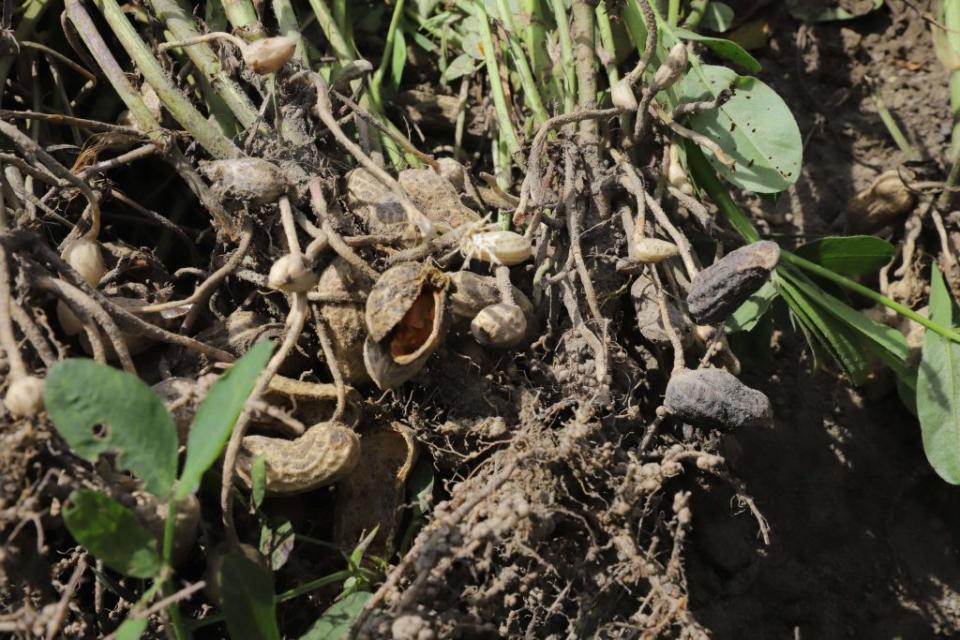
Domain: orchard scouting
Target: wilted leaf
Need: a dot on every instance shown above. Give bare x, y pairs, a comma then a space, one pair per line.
217, 415
112, 533
335, 622
755, 128
938, 388
849, 255
726, 49
99, 409
246, 592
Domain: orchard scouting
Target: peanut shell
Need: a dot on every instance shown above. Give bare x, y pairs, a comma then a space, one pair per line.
720, 289
714, 398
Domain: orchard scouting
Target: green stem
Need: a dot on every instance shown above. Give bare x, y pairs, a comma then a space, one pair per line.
289, 26
183, 111
582, 36
341, 48
695, 15
895, 132
566, 55
376, 83
531, 92
313, 585
673, 12
32, 11
182, 27
706, 178
534, 35
169, 529
243, 17
868, 293
496, 83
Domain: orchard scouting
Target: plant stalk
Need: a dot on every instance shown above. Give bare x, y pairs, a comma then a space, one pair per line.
496, 83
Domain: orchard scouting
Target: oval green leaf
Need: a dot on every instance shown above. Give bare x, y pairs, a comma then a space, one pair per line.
99, 409
938, 388
849, 255
334, 623
750, 312
217, 415
755, 128
717, 17
726, 49
246, 593
112, 533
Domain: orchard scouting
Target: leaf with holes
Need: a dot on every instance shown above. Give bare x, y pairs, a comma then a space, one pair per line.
938, 387
98, 409
112, 533
755, 128
217, 415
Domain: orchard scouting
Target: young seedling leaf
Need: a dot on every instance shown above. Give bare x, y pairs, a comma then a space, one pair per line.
849, 255
246, 592
726, 49
398, 58
755, 128
112, 533
258, 477
717, 17
99, 409
460, 66
218, 413
938, 388
131, 629
750, 312
334, 623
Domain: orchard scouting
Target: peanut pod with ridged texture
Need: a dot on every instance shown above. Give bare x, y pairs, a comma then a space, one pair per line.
719, 290
714, 398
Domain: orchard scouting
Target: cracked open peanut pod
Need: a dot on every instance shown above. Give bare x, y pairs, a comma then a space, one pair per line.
720, 289
324, 453
715, 398
406, 321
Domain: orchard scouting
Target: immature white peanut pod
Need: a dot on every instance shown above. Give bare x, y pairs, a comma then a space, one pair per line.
86, 258
676, 176
672, 68
652, 250
499, 325
268, 54
292, 274
506, 248
24, 397
622, 96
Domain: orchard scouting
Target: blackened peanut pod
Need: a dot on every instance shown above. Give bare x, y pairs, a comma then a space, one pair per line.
717, 291
714, 398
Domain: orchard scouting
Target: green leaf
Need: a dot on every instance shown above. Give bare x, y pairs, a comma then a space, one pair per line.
835, 336
112, 533
335, 622
131, 629
938, 388
258, 477
718, 17
98, 409
398, 59
815, 11
849, 255
750, 312
726, 49
217, 415
460, 66
755, 128
246, 592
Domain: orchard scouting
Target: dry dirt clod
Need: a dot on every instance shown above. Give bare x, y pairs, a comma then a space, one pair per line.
325, 453
880, 204
714, 398
371, 495
720, 289
253, 181
499, 325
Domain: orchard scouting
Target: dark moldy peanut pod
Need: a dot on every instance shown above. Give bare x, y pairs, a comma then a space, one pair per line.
715, 398
720, 289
